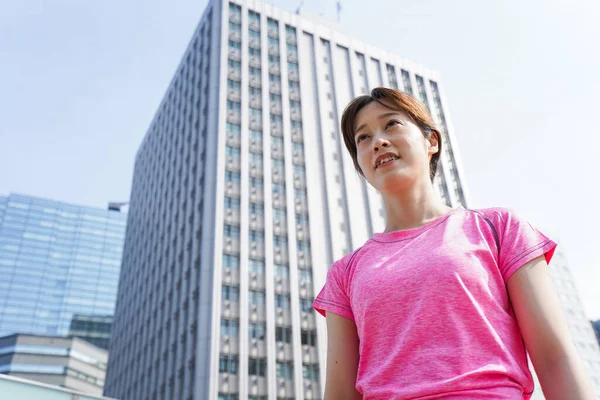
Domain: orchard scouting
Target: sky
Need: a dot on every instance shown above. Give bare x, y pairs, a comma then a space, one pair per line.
81, 80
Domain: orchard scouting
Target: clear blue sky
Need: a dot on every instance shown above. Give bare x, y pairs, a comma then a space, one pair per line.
81, 80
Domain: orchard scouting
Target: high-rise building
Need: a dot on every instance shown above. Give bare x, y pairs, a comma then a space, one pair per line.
581, 330
243, 195
63, 361
596, 326
57, 261
93, 328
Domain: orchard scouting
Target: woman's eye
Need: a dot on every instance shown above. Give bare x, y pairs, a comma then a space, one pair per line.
360, 138
391, 123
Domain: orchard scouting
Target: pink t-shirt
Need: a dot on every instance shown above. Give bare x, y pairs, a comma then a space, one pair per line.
432, 310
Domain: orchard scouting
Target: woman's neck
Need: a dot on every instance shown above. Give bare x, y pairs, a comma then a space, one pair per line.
413, 208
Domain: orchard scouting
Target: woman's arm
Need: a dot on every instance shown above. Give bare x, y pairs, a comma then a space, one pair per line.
546, 335
342, 359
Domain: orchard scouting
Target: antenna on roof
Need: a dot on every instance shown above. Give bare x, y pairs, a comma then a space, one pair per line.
300, 7
339, 9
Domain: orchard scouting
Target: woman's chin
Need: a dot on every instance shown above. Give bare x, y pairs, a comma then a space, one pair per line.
394, 182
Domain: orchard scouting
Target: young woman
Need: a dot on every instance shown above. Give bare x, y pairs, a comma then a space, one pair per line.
444, 303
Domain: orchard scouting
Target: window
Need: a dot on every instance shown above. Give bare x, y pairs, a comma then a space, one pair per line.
280, 214
233, 106
231, 261
422, 93
274, 59
254, 91
280, 241
303, 245
257, 366
299, 170
229, 327
256, 36
310, 372
306, 305
282, 271
279, 188
284, 370
255, 159
233, 85
301, 219
277, 144
283, 334
253, 17
234, 64
255, 114
257, 236
255, 135
289, 30
282, 301
256, 182
256, 331
406, 81
232, 202
309, 337
300, 194
257, 298
231, 293
273, 78
234, 45
233, 177
228, 363
305, 276
257, 267
232, 151
256, 209
232, 231
271, 23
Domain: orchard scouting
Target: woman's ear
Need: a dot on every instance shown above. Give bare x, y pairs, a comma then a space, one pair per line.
433, 142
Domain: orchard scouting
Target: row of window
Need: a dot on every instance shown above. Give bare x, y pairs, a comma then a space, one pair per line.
35, 207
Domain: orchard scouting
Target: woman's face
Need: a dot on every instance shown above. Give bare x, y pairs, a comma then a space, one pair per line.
392, 152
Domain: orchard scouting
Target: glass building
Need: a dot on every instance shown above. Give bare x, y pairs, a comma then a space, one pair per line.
58, 262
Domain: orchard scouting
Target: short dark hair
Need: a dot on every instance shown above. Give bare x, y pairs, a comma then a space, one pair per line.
394, 100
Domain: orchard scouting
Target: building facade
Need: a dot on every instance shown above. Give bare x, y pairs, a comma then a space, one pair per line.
242, 197
69, 362
596, 326
94, 329
581, 330
58, 262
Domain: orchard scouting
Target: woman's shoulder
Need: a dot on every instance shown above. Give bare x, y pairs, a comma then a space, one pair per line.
496, 214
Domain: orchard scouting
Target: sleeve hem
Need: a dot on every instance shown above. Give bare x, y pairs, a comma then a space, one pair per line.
545, 248
323, 305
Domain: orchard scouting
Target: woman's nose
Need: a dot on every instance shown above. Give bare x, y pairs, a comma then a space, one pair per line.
380, 143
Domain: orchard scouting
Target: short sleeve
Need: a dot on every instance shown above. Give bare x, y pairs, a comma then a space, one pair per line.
333, 296
520, 243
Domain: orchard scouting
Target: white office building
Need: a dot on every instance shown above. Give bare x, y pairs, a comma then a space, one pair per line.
243, 195
581, 330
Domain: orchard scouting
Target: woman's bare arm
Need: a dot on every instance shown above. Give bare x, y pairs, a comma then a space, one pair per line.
546, 335
342, 359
